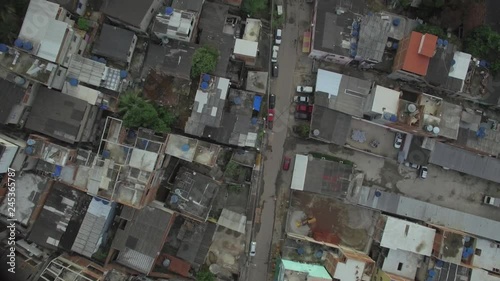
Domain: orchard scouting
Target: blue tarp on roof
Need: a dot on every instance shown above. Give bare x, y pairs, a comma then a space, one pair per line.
57, 171
257, 100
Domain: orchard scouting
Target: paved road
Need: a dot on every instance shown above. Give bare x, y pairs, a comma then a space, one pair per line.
283, 88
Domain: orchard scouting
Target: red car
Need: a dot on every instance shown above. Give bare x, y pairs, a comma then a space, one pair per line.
270, 115
286, 163
304, 108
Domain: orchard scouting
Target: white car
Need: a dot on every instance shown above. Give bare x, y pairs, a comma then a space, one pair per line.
305, 89
423, 172
278, 36
301, 99
276, 49
398, 140
253, 248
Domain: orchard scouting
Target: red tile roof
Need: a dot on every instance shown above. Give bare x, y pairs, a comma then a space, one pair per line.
428, 45
420, 50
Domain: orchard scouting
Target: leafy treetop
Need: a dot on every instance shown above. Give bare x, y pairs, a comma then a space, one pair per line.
204, 61
484, 43
137, 112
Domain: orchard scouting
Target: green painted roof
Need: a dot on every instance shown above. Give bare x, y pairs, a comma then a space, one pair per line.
313, 270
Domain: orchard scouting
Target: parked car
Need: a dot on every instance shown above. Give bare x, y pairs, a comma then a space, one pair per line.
412, 165
253, 248
278, 36
305, 89
493, 201
286, 163
275, 69
276, 49
398, 140
423, 172
301, 99
279, 9
270, 115
304, 108
272, 101
302, 116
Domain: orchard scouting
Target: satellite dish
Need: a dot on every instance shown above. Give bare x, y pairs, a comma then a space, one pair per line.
436, 130
412, 107
316, 132
429, 128
166, 263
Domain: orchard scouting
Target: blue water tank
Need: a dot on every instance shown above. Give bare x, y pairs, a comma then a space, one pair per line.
18, 43
103, 60
354, 33
378, 193
206, 77
396, 21
29, 150
204, 85
440, 42
174, 199
237, 100
94, 58
169, 11
300, 251
395, 46
445, 43
27, 45
106, 154
318, 254
73, 82
253, 120
355, 25
4, 48
123, 74
185, 147
453, 62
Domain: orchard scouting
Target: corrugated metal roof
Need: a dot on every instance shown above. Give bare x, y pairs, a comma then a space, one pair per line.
88, 239
86, 70
430, 213
142, 239
313, 270
299, 172
328, 82
467, 162
461, 66
37, 19
52, 41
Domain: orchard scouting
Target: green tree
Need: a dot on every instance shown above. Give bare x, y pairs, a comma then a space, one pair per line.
11, 16
204, 61
431, 29
137, 112
303, 130
484, 43
253, 7
205, 275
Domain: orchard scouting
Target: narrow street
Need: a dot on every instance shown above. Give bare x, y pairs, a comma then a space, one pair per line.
283, 88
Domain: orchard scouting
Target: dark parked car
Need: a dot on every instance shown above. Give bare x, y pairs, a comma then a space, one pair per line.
275, 69
304, 108
286, 163
272, 101
302, 116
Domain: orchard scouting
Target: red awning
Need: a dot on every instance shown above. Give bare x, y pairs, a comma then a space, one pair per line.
306, 44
